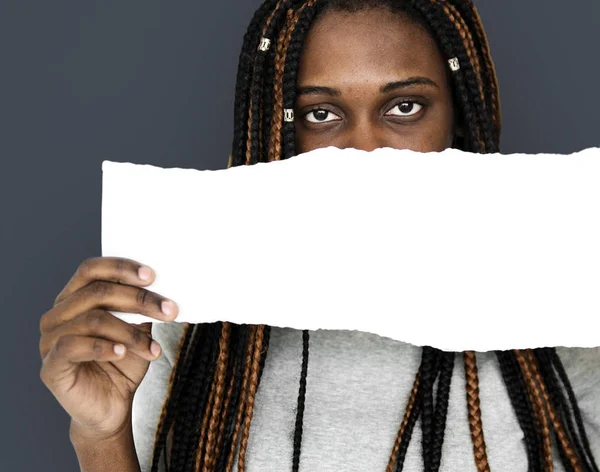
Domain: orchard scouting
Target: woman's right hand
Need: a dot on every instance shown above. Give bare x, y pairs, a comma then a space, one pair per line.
92, 382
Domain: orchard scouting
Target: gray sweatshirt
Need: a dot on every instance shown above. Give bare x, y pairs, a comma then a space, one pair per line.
357, 388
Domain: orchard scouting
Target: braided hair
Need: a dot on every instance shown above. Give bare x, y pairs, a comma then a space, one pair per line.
205, 421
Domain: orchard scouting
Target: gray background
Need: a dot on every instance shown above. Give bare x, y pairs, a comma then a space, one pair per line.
153, 82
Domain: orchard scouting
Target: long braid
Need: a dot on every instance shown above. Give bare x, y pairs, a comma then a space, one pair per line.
469, 55
474, 78
186, 425
176, 382
560, 403
219, 394
538, 408
240, 346
409, 407
413, 416
474, 412
441, 408
252, 388
228, 398
515, 385
468, 42
467, 15
429, 370
451, 45
538, 389
254, 119
290, 78
287, 70
472, 73
439, 24
277, 117
198, 389
263, 353
266, 106
201, 458
473, 20
242, 402
300, 407
246, 61
557, 363
564, 443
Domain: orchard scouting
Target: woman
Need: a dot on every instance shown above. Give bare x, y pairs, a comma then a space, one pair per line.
413, 74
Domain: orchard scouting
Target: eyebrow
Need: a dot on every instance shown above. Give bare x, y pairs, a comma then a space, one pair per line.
408, 83
399, 84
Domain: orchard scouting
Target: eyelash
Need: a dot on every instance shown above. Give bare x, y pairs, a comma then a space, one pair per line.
415, 102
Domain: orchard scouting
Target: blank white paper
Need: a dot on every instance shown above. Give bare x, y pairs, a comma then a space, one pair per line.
454, 250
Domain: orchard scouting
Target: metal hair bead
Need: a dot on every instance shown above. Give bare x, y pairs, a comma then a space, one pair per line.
454, 65
264, 44
288, 114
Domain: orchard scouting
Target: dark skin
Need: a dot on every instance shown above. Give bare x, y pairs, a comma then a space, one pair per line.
362, 58
350, 91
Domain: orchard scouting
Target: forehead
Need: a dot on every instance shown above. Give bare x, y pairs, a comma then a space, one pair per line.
373, 45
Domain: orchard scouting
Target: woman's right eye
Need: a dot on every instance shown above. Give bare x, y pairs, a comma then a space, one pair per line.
319, 115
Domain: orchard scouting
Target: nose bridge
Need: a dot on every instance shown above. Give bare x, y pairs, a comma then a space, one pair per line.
365, 135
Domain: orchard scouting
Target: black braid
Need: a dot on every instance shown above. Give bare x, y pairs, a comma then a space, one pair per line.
430, 365
559, 402
448, 40
472, 86
244, 74
441, 408
465, 10
558, 365
484, 108
300, 407
516, 389
196, 390
181, 372
197, 342
267, 100
256, 90
290, 75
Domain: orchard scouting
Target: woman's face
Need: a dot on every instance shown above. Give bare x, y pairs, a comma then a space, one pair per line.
372, 79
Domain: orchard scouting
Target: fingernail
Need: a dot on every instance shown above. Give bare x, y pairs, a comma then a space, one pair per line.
119, 349
155, 348
168, 307
144, 273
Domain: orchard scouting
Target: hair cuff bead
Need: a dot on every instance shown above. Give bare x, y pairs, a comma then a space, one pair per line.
454, 65
288, 114
264, 44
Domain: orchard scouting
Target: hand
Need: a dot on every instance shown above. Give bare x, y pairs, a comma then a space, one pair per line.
91, 380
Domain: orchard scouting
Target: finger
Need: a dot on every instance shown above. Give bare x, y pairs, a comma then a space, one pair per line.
70, 350
101, 324
113, 297
147, 327
114, 269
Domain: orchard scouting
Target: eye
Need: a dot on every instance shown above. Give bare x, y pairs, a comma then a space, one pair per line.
406, 108
319, 115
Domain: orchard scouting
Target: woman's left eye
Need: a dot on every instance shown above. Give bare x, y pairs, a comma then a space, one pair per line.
319, 115
405, 109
